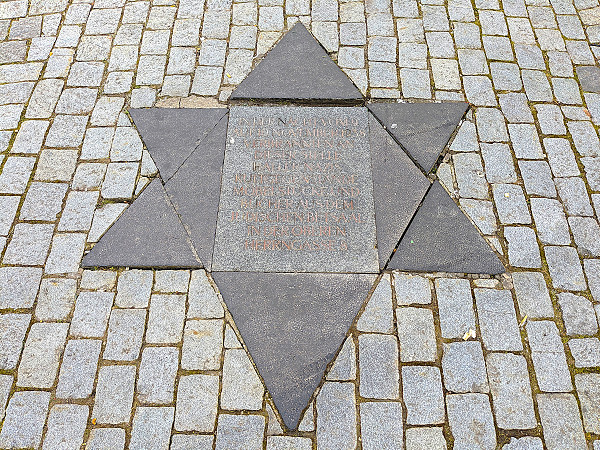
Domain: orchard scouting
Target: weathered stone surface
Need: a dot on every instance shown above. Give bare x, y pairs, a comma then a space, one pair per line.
589, 78
284, 243
498, 320
202, 345
585, 351
463, 367
416, 333
412, 289
66, 426
165, 322
197, 398
151, 428
422, 395
381, 425
398, 188
588, 390
242, 389
24, 421
532, 295
455, 305
114, 394
423, 129
240, 432
172, 134
297, 68
432, 243
378, 363
78, 368
425, 438
561, 422
344, 366
289, 352
471, 421
148, 234
511, 392
156, 378
336, 427
125, 332
12, 334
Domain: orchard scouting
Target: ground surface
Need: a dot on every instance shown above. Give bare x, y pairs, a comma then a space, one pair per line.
145, 359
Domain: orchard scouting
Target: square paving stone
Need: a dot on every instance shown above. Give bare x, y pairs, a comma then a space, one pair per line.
297, 192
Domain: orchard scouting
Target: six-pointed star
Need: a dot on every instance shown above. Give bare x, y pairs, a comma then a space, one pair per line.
296, 209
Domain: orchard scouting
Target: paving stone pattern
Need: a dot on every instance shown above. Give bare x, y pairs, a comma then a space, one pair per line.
150, 358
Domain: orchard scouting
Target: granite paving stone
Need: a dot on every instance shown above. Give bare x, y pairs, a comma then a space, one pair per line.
585, 351
90, 316
422, 395
511, 391
378, 365
525, 141
78, 368
425, 437
416, 333
6, 382
381, 425
133, 289
15, 175
30, 136
573, 193
165, 322
287, 442
66, 426
151, 428
44, 201
497, 320
469, 171
463, 367
412, 289
589, 396
156, 378
523, 250
42, 354
550, 221
537, 178
65, 253
455, 305
114, 394
565, 268
561, 422
24, 420
586, 233
510, 203
241, 386
532, 295
548, 355
197, 398
191, 441
577, 314
12, 331
235, 431
56, 165
101, 438
202, 345
203, 302
336, 427
125, 333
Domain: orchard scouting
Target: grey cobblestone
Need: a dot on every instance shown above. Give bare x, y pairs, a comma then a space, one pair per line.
151, 428
41, 355
241, 386
455, 304
157, 373
43, 201
240, 432
422, 395
133, 289
523, 250
471, 421
197, 398
114, 394
532, 295
550, 221
525, 141
344, 365
411, 289
165, 322
577, 313
377, 316
469, 175
381, 425
586, 233
336, 427
463, 367
66, 426
203, 302
78, 368
25, 418
565, 268
561, 423
12, 331
416, 334
497, 320
202, 345
510, 203
90, 316
125, 333
548, 355
573, 193
511, 392
586, 352
378, 363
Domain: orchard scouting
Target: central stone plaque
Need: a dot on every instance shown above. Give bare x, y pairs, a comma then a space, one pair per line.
296, 192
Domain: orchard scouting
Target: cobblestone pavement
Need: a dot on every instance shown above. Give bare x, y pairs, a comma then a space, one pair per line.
150, 359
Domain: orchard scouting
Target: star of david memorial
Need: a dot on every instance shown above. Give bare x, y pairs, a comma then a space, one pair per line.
295, 199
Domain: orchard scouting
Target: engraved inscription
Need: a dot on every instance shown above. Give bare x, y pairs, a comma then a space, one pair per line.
296, 186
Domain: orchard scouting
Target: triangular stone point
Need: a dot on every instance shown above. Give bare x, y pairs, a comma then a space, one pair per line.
297, 68
172, 134
147, 235
276, 315
441, 238
423, 129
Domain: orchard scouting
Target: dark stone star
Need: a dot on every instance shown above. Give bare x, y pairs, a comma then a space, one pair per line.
295, 210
